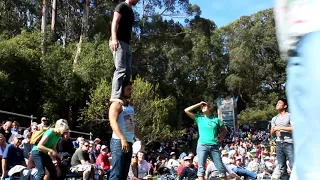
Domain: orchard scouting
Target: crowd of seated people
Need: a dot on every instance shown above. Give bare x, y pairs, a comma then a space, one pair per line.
54, 157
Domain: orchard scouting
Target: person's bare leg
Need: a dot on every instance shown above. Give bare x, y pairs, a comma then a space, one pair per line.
92, 172
46, 177
86, 175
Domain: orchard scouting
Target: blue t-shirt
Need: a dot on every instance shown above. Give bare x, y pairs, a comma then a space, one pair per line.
75, 144
13, 155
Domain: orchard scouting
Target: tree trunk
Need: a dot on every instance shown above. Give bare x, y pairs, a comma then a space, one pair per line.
83, 33
66, 20
44, 24
84, 29
54, 11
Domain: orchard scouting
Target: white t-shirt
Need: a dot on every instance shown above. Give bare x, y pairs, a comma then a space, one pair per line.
173, 163
242, 150
269, 165
227, 161
136, 147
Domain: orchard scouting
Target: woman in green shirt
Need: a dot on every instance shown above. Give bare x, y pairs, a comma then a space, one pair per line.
43, 153
211, 132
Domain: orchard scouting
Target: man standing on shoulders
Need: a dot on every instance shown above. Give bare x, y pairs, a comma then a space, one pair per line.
281, 125
121, 29
211, 133
124, 130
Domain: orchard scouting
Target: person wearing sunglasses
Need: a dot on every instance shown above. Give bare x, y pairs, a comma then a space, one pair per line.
133, 171
80, 162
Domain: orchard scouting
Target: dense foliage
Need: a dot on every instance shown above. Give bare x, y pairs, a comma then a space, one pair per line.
174, 64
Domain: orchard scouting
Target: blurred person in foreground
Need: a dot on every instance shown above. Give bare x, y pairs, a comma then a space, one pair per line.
298, 32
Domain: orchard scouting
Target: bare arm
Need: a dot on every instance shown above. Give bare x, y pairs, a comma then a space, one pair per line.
223, 132
114, 111
83, 162
275, 128
41, 146
55, 147
114, 25
272, 127
289, 129
272, 130
189, 110
137, 133
4, 167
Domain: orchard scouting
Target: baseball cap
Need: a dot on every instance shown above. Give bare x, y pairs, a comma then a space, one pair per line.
103, 147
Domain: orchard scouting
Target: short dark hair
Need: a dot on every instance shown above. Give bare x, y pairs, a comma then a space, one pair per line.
125, 83
86, 141
285, 102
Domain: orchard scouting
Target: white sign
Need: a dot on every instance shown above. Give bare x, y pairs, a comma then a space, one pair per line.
227, 111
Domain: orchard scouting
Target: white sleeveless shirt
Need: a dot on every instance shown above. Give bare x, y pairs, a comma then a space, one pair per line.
126, 123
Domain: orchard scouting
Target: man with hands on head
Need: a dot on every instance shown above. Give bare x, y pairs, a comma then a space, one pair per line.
124, 127
211, 132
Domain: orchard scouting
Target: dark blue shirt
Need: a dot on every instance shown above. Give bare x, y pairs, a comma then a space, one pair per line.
13, 155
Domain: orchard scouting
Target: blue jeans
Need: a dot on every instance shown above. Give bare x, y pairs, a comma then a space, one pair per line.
245, 173
120, 160
303, 87
42, 161
203, 151
284, 153
122, 58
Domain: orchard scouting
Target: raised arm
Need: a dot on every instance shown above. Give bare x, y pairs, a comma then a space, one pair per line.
222, 132
189, 109
137, 134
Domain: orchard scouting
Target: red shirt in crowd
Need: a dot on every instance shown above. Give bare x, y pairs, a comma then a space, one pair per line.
103, 158
180, 168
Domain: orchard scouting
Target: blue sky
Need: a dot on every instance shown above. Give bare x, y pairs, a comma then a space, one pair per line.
222, 12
